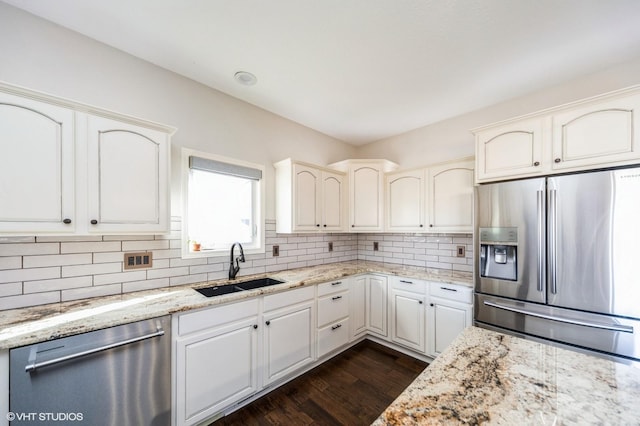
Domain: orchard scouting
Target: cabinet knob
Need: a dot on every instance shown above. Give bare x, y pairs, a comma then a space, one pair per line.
537, 163
318, 225
325, 225
353, 226
557, 160
94, 222
430, 304
421, 225
268, 322
420, 302
67, 221
255, 326
431, 225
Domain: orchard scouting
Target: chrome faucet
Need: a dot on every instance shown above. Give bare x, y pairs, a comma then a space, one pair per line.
233, 270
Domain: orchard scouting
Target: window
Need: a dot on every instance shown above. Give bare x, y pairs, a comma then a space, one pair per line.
223, 204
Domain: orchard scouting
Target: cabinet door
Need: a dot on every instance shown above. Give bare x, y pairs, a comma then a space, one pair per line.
127, 177
357, 313
36, 167
215, 369
407, 321
365, 193
603, 133
306, 207
511, 150
446, 320
376, 305
333, 201
451, 198
405, 201
288, 341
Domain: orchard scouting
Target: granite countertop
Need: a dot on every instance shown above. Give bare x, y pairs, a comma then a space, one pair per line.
491, 378
19, 327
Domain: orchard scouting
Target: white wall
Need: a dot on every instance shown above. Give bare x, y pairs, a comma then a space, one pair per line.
42, 56
451, 139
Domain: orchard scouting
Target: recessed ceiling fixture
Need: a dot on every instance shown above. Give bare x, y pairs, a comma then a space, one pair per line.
245, 78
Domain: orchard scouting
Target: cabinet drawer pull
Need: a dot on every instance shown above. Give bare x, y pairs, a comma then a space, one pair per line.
336, 298
557, 160
66, 221
336, 283
337, 326
94, 222
406, 282
448, 289
536, 164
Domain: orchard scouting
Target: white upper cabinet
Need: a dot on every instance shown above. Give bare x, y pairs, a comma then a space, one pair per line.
434, 199
309, 198
366, 193
36, 167
127, 177
70, 169
405, 202
597, 132
510, 150
451, 197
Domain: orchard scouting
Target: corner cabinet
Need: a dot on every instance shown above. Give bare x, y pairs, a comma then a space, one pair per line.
603, 131
309, 198
434, 199
79, 170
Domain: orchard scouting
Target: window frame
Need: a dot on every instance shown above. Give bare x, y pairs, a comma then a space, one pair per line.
258, 204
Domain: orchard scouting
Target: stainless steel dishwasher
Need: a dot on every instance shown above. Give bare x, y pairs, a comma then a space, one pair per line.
114, 376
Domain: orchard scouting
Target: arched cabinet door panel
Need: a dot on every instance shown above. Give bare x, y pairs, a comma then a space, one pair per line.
36, 167
127, 177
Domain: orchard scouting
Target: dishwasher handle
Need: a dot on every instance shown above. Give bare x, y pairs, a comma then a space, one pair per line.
35, 365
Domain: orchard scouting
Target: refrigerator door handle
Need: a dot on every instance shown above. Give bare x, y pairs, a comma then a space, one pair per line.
621, 328
540, 241
553, 222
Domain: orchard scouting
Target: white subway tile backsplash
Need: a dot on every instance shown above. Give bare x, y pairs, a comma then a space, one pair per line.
71, 268
90, 247
56, 284
12, 262
25, 300
95, 269
10, 289
13, 275
56, 260
87, 292
22, 249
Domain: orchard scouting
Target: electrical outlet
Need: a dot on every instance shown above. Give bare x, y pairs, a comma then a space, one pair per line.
460, 251
375, 246
330, 246
138, 260
276, 251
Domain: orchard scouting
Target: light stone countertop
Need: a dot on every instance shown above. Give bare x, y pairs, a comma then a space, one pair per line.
490, 378
19, 327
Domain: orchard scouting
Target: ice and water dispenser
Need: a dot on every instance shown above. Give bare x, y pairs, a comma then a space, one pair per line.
499, 253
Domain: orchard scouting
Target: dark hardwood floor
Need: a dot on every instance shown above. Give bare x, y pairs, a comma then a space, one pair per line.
352, 388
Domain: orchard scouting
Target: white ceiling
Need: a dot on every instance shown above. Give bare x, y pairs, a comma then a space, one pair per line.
364, 70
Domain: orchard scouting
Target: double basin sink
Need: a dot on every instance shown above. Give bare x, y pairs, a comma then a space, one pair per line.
236, 287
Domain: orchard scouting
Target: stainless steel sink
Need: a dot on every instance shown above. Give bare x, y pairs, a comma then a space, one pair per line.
235, 287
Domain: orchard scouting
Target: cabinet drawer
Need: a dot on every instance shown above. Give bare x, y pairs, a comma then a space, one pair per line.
332, 337
452, 292
333, 307
332, 287
212, 317
409, 284
287, 298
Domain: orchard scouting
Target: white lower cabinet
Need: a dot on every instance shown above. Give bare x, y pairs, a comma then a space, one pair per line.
358, 311
407, 312
288, 332
216, 360
450, 311
376, 304
333, 316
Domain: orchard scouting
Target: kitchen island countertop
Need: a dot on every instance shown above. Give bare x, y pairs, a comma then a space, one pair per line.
19, 327
485, 377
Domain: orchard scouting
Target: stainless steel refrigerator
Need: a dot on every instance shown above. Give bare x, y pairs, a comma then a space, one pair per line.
559, 259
